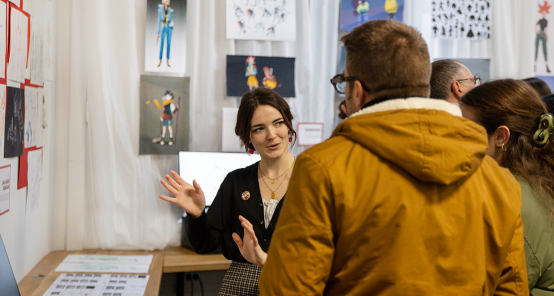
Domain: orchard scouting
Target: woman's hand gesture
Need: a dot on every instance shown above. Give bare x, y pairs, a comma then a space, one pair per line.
189, 197
248, 246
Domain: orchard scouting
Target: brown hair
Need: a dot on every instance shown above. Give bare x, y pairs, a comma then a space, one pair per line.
517, 105
248, 104
443, 73
539, 85
390, 58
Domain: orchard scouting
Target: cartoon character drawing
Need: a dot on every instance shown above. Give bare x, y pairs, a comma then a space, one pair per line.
242, 28
251, 72
271, 31
541, 29
165, 28
363, 11
250, 14
166, 119
391, 7
269, 80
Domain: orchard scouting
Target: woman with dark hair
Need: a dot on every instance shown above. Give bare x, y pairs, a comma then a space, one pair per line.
539, 85
244, 213
519, 130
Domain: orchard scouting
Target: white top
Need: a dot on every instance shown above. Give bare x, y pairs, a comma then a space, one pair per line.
269, 209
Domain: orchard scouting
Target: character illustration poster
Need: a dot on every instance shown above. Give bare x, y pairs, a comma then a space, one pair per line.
165, 48
164, 119
273, 20
246, 73
13, 135
461, 19
542, 49
356, 12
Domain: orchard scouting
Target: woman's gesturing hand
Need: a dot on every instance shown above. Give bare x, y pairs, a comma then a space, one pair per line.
189, 197
248, 246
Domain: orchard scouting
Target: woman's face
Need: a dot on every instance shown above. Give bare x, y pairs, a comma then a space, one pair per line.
268, 132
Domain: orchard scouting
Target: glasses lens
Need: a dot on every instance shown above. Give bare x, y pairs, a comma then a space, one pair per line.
341, 86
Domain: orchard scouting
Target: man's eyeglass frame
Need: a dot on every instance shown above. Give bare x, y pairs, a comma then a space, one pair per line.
476, 80
339, 78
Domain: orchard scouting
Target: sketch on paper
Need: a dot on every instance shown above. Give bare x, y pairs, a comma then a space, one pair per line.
34, 175
3, 96
31, 120
356, 12
19, 26
3, 39
36, 58
48, 11
459, 19
261, 20
243, 75
5, 176
13, 135
165, 42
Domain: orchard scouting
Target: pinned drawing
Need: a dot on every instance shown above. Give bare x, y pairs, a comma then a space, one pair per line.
36, 57
3, 96
13, 135
48, 15
19, 26
3, 38
460, 19
165, 48
31, 120
34, 175
277, 74
356, 12
261, 20
541, 31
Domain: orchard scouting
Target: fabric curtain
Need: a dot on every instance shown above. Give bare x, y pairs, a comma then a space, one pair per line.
116, 206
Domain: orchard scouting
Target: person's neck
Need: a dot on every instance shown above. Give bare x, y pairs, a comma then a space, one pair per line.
274, 167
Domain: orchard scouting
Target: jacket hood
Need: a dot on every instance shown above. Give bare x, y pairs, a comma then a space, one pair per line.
428, 138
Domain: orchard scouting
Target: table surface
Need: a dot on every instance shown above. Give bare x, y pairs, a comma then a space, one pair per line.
179, 259
37, 286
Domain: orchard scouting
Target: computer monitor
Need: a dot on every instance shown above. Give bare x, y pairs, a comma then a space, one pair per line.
8, 285
210, 168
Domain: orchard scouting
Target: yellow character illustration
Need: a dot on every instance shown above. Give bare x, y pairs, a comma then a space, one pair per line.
391, 6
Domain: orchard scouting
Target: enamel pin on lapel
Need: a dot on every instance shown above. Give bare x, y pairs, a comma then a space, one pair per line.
245, 195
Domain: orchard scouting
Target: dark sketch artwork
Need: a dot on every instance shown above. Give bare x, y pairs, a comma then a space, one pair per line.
13, 135
461, 19
164, 105
246, 73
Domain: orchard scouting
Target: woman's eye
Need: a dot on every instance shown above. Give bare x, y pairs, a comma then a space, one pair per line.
279, 123
257, 130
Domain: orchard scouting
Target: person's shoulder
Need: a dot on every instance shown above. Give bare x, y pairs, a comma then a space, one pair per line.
500, 180
330, 150
242, 173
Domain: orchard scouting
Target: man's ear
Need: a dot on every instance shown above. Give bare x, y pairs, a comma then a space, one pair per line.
457, 89
358, 95
502, 136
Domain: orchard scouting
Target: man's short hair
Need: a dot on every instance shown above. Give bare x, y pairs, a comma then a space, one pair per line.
390, 58
443, 74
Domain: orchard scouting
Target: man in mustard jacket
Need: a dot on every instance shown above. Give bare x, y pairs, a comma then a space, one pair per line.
402, 199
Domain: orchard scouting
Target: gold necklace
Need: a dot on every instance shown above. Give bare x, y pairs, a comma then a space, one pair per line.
273, 180
273, 191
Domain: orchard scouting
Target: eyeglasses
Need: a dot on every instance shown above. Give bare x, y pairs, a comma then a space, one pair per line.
339, 82
476, 80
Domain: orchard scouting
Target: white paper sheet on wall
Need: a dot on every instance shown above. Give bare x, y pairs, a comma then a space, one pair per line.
3, 44
19, 27
261, 20
36, 59
69, 284
310, 134
34, 174
48, 22
230, 142
31, 117
5, 175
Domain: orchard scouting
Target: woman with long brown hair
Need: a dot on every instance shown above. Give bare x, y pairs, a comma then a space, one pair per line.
519, 130
244, 213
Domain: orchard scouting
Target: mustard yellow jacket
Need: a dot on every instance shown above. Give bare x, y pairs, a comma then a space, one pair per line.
401, 200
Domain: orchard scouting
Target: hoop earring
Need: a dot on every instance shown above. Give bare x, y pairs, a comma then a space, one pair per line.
503, 148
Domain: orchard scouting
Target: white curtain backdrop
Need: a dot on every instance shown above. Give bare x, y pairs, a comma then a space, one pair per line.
112, 201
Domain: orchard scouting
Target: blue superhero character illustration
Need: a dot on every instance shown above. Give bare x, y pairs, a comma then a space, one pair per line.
165, 28
251, 72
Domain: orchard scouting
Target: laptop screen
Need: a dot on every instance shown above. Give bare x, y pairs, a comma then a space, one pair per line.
7, 279
210, 168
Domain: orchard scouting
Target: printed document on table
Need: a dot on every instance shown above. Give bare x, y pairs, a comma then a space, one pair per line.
105, 267
69, 284
109, 259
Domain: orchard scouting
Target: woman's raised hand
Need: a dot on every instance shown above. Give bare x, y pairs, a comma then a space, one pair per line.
248, 245
189, 197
